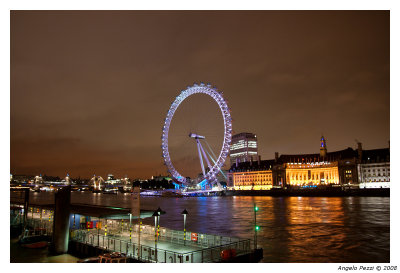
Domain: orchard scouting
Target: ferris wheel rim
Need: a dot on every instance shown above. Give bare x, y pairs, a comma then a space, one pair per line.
223, 106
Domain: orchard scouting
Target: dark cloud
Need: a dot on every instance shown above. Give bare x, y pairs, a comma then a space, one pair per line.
90, 89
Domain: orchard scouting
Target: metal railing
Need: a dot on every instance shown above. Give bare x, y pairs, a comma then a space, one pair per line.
44, 227
191, 239
151, 254
170, 235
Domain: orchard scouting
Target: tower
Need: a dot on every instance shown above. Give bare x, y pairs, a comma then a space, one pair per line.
322, 147
243, 148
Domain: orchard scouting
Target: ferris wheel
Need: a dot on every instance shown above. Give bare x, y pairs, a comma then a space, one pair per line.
211, 170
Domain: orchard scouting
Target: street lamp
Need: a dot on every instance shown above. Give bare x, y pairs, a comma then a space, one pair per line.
155, 215
130, 227
158, 221
184, 213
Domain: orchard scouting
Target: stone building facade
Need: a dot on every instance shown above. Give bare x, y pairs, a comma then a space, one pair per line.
374, 169
348, 167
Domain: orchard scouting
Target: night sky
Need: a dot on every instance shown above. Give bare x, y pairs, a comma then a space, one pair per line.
90, 89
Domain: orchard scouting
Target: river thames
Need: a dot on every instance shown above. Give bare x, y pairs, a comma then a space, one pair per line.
292, 229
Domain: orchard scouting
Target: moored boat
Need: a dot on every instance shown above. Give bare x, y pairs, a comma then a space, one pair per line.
35, 241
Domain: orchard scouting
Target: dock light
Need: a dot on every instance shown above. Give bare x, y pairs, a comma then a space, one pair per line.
105, 229
184, 213
256, 227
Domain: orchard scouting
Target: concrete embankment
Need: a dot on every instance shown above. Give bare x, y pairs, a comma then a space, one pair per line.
329, 192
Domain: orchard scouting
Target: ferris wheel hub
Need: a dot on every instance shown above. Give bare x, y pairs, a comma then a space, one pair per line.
196, 136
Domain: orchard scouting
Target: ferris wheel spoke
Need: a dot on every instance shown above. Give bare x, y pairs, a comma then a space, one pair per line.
201, 159
210, 148
222, 172
204, 154
213, 160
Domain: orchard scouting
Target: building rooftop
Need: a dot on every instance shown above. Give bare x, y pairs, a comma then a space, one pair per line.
348, 153
253, 166
108, 212
368, 156
244, 134
376, 155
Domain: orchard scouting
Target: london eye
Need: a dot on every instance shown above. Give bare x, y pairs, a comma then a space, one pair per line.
210, 164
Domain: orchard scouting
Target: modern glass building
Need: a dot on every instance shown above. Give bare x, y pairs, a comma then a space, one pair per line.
243, 148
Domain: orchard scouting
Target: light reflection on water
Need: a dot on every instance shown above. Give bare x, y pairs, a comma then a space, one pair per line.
292, 229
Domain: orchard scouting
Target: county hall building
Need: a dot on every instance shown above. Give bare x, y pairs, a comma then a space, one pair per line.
345, 168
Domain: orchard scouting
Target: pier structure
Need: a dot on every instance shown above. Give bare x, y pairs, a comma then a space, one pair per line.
171, 244
113, 229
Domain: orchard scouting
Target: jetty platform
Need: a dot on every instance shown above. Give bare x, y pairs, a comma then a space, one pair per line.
100, 229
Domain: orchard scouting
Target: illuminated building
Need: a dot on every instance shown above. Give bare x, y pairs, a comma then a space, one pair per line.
312, 173
251, 175
339, 168
325, 168
20, 178
111, 180
243, 148
374, 168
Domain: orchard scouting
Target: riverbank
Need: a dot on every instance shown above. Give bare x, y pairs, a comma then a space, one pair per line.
328, 192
